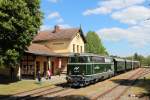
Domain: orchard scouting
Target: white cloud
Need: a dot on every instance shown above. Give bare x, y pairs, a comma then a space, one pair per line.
64, 26
53, 15
132, 15
50, 27
56, 16
45, 27
105, 7
60, 20
53, 1
138, 35
98, 10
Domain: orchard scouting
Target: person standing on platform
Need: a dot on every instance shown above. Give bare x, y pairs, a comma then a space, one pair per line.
39, 76
49, 74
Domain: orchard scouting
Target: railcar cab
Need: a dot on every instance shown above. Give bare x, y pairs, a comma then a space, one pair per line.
78, 63
85, 68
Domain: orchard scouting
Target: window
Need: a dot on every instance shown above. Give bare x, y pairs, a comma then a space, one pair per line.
77, 36
80, 59
98, 59
77, 48
81, 49
73, 47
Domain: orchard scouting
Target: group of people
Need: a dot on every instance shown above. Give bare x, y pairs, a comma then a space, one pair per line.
47, 75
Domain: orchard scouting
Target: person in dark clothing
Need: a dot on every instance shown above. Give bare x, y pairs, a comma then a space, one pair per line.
39, 76
11, 73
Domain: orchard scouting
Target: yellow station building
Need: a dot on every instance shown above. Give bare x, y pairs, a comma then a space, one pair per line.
50, 50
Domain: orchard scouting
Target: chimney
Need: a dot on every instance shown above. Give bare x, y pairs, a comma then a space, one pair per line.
56, 29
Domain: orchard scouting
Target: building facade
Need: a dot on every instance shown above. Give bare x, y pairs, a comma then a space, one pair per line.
50, 50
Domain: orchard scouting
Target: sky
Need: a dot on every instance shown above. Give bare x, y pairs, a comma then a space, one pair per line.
122, 25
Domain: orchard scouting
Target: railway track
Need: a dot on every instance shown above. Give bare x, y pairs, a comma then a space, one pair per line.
30, 94
118, 90
50, 92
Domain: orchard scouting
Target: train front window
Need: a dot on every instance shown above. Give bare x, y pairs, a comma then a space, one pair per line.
79, 59
98, 59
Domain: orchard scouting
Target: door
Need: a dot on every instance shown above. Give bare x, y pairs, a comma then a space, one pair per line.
37, 66
44, 69
52, 66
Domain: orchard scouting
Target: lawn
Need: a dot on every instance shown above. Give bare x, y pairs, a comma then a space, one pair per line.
19, 86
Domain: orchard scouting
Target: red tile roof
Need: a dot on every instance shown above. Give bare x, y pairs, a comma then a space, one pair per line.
57, 35
39, 49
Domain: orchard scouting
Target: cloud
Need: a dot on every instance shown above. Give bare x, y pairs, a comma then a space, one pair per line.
132, 15
106, 7
53, 15
53, 1
138, 35
60, 20
96, 11
50, 27
64, 26
45, 27
56, 16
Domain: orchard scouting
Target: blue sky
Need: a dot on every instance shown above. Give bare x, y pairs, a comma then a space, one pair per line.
121, 24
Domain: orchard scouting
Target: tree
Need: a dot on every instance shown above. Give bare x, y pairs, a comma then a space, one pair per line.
20, 22
148, 60
94, 44
135, 56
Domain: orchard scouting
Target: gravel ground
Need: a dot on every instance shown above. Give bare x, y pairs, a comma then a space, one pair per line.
140, 90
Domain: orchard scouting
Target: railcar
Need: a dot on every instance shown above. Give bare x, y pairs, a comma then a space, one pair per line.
128, 64
119, 65
84, 69
136, 64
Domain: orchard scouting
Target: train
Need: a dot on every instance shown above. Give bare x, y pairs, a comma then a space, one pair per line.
86, 68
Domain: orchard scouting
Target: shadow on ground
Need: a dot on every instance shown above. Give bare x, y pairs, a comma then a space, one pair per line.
70, 97
142, 83
7, 80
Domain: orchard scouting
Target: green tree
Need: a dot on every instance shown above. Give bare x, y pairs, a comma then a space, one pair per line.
138, 57
135, 57
148, 60
94, 44
19, 23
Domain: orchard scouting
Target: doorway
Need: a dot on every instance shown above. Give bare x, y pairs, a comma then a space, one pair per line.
37, 67
52, 66
44, 68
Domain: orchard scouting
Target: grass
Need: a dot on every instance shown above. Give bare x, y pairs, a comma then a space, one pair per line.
20, 86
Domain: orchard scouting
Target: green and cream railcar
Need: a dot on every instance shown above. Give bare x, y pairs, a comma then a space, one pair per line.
136, 64
129, 64
119, 65
84, 69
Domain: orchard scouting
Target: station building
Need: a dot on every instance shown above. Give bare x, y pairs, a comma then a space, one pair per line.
50, 49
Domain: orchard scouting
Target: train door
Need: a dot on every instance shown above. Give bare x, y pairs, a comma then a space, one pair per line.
115, 66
